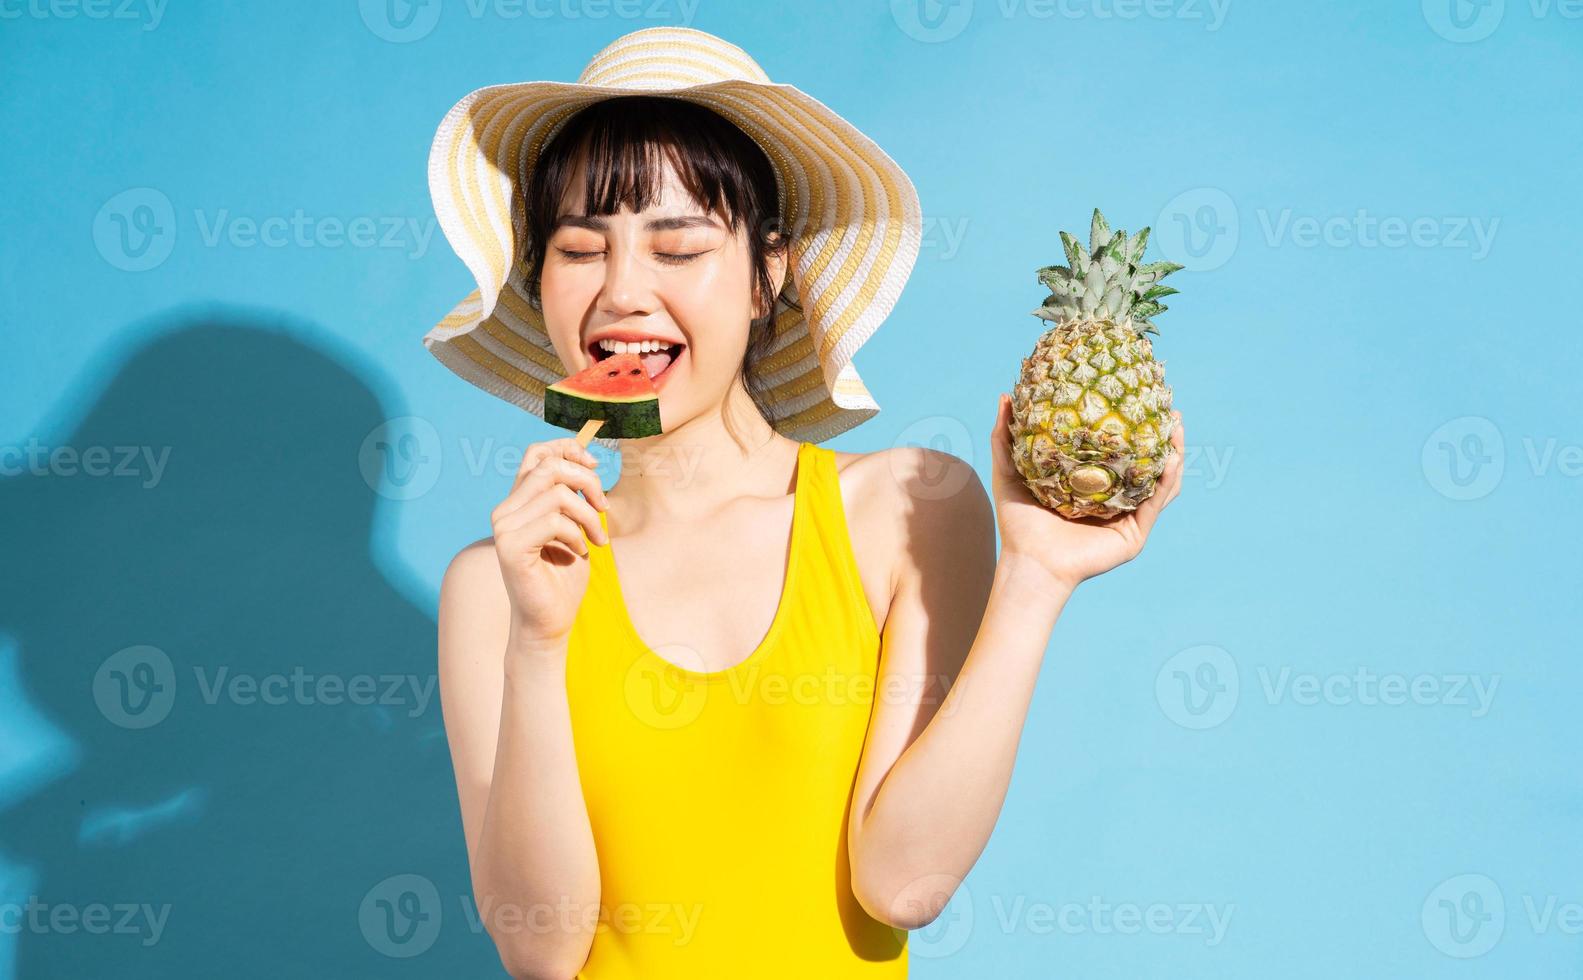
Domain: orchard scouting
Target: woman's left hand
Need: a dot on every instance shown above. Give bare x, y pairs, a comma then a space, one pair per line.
1071, 549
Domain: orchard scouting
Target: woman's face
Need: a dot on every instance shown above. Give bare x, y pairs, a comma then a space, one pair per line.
672, 273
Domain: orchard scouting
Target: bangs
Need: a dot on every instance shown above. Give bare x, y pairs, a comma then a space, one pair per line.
625, 143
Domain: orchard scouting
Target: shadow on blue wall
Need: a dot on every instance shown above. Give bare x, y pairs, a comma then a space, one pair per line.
201, 631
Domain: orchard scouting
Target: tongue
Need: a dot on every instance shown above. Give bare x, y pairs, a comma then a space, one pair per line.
655, 361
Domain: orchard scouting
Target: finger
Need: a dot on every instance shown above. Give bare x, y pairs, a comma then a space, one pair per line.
1165, 491
1147, 512
568, 448
556, 499
1000, 437
1179, 458
566, 531
557, 470
551, 471
547, 529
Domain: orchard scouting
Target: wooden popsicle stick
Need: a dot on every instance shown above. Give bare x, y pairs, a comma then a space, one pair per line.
586, 433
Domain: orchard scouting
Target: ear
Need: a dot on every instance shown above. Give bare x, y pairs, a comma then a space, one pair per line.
776, 263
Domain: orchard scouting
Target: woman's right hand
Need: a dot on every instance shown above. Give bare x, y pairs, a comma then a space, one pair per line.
539, 540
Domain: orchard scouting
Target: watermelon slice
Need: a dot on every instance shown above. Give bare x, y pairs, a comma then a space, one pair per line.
616, 390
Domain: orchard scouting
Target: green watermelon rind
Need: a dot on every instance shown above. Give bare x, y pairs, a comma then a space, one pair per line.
623, 419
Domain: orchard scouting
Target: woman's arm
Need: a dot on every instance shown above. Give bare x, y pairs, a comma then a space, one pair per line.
529, 843
935, 770
937, 762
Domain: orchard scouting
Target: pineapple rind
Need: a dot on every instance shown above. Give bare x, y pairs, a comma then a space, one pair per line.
1120, 421
1092, 404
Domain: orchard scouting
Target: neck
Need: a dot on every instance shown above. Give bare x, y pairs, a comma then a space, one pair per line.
691, 472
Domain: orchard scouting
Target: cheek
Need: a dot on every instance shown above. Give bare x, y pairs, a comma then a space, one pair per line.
565, 295
712, 302
718, 337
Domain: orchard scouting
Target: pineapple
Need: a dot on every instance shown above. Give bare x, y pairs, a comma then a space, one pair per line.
1091, 415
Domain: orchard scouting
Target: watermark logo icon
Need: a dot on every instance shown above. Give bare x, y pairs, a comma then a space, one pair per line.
662, 690
936, 479
135, 230
952, 928
1199, 229
135, 687
1464, 21
1465, 916
400, 458
400, 21
400, 916
1465, 458
931, 21
1198, 688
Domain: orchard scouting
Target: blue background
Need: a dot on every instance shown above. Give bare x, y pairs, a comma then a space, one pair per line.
1383, 481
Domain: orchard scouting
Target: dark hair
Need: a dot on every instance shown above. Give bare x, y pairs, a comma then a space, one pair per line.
721, 167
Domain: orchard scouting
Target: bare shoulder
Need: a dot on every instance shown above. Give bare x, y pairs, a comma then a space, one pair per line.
474, 569
474, 607
902, 482
906, 502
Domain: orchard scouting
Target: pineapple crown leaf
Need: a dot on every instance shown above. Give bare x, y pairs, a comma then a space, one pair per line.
1108, 279
1075, 256
1099, 234
1159, 270
1136, 245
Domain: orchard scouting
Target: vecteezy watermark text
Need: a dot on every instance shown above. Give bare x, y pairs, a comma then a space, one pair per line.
300, 230
405, 21
1466, 915
145, 463
136, 687
140, 919
955, 921
302, 688
1201, 228
149, 12
934, 21
1200, 687
136, 230
401, 916
1465, 457
1467, 21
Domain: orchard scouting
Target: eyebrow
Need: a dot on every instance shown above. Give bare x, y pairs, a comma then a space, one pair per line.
594, 223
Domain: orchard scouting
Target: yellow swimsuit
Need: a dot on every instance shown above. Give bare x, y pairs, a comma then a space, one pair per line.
719, 801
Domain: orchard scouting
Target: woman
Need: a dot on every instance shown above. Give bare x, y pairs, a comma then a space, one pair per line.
752, 711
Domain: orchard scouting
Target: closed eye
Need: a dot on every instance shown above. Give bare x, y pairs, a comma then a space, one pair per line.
673, 258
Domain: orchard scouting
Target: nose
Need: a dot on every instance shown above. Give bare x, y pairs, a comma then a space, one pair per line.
629, 283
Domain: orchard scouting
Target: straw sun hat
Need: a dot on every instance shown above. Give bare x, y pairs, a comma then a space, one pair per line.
853, 215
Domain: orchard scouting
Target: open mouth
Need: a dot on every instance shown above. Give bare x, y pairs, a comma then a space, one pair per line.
657, 357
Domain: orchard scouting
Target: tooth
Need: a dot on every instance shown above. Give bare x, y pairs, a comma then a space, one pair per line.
635, 346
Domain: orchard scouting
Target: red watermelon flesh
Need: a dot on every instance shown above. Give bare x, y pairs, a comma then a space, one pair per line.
617, 390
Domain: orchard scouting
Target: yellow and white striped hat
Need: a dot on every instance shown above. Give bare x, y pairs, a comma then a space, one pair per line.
853, 214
